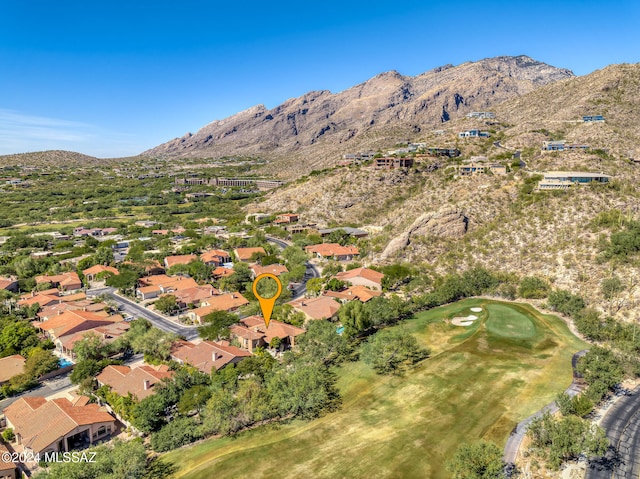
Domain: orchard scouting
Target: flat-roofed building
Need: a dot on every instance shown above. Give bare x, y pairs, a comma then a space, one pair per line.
560, 180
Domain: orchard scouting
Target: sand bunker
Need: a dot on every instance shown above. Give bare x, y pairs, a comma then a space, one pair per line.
476, 310
467, 321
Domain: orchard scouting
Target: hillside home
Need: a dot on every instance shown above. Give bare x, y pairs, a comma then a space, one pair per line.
139, 381
207, 355
560, 180
561, 145
221, 272
321, 307
355, 232
390, 162
308, 228
481, 115
473, 134
224, 302
362, 277
58, 425
11, 366
333, 251
245, 254
450, 152
593, 119
252, 333
286, 218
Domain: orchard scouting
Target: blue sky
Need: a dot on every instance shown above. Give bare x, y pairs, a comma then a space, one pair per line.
113, 78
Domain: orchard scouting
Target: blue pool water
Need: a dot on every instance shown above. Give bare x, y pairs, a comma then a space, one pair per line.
340, 330
63, 363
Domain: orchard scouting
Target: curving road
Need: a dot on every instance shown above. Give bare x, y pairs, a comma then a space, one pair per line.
137, 311
622, 425
517, 435
312, 270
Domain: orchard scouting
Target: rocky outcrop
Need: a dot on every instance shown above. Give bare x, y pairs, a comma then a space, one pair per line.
447, 223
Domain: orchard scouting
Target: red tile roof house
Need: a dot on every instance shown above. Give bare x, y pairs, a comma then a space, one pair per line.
252, 333
11, 366
8, 469
193, 297
221, 272
107, 334
216, 257
170, 261
64, 281
139, 382
245, 254
362, 276
72, 322
333, 251
9, 283
207, 355
224, 302
57, 425
91, 273
153, 286
359, 292
321, 307
276, 269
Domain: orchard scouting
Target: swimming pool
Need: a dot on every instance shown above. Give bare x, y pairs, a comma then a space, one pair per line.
340, 330
63, 363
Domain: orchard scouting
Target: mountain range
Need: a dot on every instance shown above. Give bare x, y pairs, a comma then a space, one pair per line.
319, 126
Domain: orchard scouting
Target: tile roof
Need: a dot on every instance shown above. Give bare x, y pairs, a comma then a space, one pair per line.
40, 423
5, 465
138, 381
276, 269
70, 322
244, 254
275, 329
11, 366
170, 261
215, 256
370, 274
7, 282
195, 295
321, 307
359, 292
108, 333
223, 302
332, 249
207, 354
69, 280
99, 268
221, 272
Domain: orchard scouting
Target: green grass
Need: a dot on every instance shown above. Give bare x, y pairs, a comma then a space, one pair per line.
509, 322
479, 382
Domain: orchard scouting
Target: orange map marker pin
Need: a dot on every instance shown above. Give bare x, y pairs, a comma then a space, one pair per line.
267, 304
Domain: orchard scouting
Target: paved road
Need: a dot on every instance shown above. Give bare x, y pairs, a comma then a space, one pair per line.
312, 270
46, 388
138, 311
517, 435
622, 424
